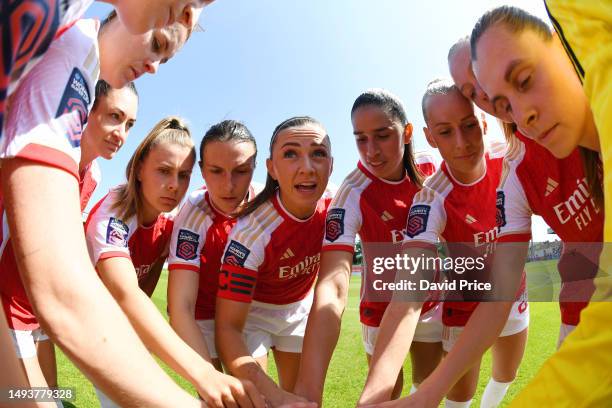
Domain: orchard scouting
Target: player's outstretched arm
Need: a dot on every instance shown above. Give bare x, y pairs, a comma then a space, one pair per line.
229, 322
215, 388
395, 336
392, 346
481, 331
324, 323
69, 299
484, 326
150, 282
182, 295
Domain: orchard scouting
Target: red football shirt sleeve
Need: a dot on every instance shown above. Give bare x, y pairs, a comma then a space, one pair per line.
241, 261
237, 283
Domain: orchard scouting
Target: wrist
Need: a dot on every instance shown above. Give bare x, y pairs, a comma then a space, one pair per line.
431, 393
370, 395
310, 391
201, 375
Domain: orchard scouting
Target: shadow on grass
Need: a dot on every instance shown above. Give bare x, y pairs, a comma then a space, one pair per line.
68, 404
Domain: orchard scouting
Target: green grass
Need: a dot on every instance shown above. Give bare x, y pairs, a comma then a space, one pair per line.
348, 368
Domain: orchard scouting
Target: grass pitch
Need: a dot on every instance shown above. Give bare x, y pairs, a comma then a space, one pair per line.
348, 368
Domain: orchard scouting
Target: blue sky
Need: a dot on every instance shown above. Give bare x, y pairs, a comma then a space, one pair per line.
262, 61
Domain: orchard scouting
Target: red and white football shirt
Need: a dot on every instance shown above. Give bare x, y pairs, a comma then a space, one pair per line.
198, 240
50, 105
272, 256
109, 236
536, 182
15, 303
377, 210
88, 182
46, 114
29, 27
447, 210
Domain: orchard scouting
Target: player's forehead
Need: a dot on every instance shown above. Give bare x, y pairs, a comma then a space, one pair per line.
228, 153
123, 98
306, 135
498, 50
370, 117
460, 60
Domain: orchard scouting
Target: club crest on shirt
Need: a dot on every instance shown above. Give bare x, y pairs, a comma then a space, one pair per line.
236, 254
187, 245
73, 107
417, 220
117, 233
500, 214
334, 224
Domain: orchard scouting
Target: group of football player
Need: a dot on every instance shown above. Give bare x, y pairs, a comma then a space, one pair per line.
254, 269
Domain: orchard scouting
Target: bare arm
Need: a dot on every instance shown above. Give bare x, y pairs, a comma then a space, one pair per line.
69, 299
485, 323
182, 296
481, 331
324, 323
150, 282
392, 346
229, 322
395, 335
215, 388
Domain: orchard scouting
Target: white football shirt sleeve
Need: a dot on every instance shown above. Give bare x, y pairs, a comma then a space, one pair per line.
343, 220
427, 217
513, 210
107, 235
188, 237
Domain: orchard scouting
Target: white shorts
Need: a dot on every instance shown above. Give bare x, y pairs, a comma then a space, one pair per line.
25, 341
564, 331
428, 330
518, 320
207, 327
276, 326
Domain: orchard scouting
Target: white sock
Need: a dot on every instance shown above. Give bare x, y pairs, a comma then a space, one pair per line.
413, 388
494, 393
456, 404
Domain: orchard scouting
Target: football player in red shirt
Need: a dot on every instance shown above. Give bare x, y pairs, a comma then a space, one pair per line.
228, 152
373, 201
272, 260
52, 177
127, 235
112, 116
457, 206
538, 183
